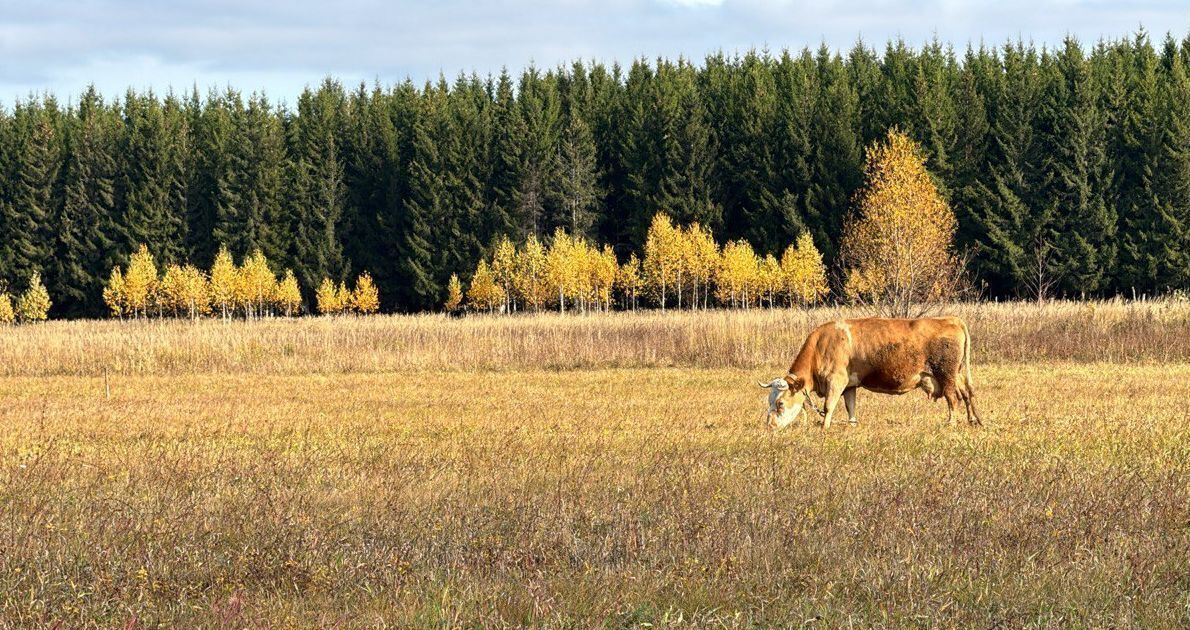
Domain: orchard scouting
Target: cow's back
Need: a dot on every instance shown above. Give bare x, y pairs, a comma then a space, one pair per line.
890, 355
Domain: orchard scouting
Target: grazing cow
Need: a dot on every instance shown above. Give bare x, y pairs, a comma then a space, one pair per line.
890, 356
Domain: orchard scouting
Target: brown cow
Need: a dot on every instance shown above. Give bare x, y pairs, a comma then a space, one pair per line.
890, 356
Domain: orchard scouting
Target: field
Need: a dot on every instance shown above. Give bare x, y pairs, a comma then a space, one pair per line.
576, 471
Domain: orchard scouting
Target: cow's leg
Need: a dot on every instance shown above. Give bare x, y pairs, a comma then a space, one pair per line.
952, 397
969, 398
849, 402
833, 393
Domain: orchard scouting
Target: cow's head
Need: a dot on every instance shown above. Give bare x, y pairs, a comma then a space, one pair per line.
786, 398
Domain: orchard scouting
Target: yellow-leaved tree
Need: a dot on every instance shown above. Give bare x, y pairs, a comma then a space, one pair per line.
7, 315
254, 285
223, 283
702, 258
485, 293
628, 281
531, 282
504, 271
288, 295
736, 280
365, 300
897, 250
663, 258
327, 298
195, 296
171, 293
140, 283
768, 280
34, 304
454, 294
603, 271
562, 267
113, 293
344, 299
803, 274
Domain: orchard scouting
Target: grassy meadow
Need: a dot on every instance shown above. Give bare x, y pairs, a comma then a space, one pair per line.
578, 471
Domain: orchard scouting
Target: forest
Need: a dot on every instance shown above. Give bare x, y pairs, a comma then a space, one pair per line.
1067, 167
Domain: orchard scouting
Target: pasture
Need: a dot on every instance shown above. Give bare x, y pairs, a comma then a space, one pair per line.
570, 471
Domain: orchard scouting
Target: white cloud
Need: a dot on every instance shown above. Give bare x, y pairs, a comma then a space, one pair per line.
282, 45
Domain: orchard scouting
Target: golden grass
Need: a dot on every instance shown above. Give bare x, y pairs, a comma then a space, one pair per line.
616, 497
1151, 332
573, 471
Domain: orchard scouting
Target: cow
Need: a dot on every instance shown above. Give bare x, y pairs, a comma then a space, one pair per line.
889, 356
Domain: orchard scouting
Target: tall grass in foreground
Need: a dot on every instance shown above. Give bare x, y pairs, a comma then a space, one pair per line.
1003, 333
613, 498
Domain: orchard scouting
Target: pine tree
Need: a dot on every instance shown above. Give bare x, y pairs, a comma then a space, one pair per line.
577, 181
508, 141
540, 111
30, 200
316, 186
212, 190
1171, 178
426, 203
1136, 148
144, 186
86, 229
1073, 175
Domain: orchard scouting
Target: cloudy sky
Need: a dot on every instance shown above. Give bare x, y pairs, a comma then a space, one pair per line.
279, 46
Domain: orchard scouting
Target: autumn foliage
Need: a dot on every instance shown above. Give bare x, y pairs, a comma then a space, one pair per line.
897, 251
250, 290
33, 305
683, 267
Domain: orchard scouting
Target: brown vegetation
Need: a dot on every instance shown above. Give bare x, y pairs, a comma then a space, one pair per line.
426, 471
761, 338
576, 499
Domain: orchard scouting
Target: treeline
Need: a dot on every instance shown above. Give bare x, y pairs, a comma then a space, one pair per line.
1068, 168
682, 268
250, 290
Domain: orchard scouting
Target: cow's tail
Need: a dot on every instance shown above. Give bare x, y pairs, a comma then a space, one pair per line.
967, 353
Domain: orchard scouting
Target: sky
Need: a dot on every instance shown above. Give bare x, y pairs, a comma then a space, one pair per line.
281, 46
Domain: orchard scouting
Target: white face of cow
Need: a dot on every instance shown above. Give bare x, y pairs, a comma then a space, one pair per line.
784, 405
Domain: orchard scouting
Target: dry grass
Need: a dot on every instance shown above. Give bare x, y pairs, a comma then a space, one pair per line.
236, 490
1101, 332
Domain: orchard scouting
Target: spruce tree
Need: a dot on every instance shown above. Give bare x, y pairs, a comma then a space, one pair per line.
1136, 150
30, 202
1073, 172
85, 227
428, 196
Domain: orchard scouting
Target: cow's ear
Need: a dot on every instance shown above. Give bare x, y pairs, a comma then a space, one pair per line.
795, 384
